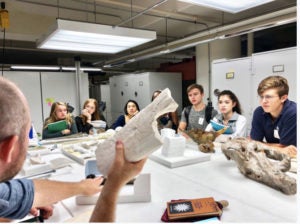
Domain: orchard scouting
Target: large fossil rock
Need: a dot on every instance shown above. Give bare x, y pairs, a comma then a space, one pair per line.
262, 163
140, 135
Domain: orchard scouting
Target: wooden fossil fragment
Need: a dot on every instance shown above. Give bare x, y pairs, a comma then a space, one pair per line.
261, 163
204, 139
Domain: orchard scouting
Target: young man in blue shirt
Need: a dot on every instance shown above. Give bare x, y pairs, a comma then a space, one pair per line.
275, 121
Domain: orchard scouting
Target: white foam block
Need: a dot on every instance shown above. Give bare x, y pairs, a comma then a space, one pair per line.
189, 157
139, 192
173, 146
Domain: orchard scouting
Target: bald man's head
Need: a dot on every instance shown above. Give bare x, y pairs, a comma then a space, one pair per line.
14, 121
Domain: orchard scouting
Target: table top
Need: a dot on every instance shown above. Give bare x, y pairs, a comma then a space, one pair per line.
249, 201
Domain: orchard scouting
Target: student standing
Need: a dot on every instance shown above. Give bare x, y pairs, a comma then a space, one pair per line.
198, 115
59, 112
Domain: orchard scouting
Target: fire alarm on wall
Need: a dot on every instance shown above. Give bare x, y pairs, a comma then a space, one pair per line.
4, 18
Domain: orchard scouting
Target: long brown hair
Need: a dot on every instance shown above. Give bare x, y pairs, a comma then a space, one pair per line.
95, 115
53, 118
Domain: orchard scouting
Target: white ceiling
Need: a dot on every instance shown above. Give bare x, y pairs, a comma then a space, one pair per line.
172, 20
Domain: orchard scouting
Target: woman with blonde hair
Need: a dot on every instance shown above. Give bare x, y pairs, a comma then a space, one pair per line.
89, 113
59, 112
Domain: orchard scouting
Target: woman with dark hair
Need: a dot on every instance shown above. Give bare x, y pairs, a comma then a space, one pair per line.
130, 110
229, 116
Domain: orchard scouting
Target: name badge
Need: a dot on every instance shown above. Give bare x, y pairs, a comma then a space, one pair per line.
201, 120
276, 134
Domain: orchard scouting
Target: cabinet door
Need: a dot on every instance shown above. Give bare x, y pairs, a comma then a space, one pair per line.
29, 83
120, 91
140, 92
279, 62
162, 80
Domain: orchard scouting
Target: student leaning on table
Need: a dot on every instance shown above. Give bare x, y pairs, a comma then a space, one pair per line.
275, 120
230, 115
20, 196
59, 112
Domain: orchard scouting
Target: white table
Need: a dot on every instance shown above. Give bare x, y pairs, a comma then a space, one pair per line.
249, 201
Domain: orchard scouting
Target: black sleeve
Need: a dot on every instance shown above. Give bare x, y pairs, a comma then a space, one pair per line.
84, 128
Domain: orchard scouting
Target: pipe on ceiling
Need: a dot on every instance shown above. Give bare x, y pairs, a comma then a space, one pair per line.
246, 26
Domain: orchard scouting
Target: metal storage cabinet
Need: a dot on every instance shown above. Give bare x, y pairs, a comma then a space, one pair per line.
139, 87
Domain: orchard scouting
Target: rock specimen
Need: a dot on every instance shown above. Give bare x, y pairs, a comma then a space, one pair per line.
204, 139
140, 135
262, 163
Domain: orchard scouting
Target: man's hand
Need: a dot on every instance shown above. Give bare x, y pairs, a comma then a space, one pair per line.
122, 171
45, 212
91, 186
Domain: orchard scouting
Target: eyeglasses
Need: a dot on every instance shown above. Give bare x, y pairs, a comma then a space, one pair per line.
267, 97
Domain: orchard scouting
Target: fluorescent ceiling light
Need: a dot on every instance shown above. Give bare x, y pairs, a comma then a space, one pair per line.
232, 6
33, 67
81, 69
90, 37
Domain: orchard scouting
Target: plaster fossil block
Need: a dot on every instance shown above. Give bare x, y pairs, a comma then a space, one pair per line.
261, 163
140, 135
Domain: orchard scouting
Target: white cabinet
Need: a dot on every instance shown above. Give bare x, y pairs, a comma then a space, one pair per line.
139, 87
243, 75
39, 87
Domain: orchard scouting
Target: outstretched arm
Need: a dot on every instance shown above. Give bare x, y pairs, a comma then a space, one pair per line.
48, 192
121, 171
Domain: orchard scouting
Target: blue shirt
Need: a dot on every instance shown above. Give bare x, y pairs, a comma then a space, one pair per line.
16, 198
283, 130
120, 122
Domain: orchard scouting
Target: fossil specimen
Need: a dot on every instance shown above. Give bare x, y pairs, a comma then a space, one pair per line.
262, 163
140, 135
204, 139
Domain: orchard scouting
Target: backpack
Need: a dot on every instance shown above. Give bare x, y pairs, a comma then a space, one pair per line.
208, 112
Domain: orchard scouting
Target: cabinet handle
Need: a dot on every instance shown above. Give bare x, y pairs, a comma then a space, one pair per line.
135, 93
122, 93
